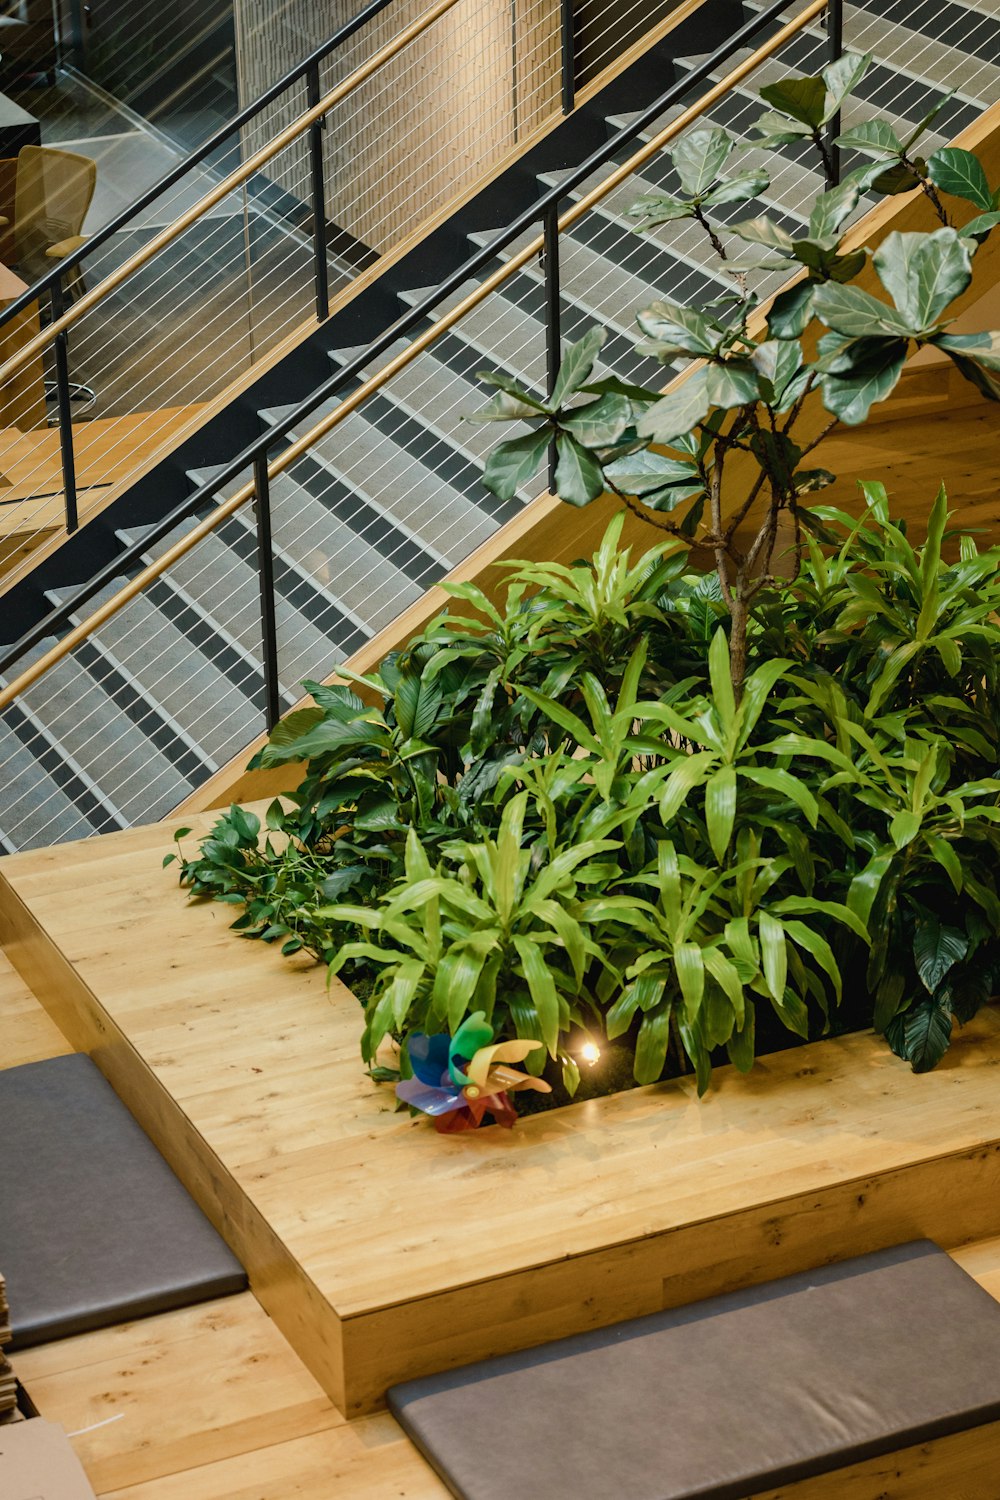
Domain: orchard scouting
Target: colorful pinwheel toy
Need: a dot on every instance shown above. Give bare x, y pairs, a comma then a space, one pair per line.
459, 1079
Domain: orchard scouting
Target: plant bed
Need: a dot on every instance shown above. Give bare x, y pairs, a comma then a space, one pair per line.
690, 816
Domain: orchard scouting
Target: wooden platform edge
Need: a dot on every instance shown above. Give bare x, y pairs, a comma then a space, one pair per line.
278, 1281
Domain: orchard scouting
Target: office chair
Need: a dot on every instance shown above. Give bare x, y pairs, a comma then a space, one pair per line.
52, 193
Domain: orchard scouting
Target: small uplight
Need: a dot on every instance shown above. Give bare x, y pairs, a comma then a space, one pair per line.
590, 1053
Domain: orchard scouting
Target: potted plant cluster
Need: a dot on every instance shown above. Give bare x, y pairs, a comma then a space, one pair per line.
663, 812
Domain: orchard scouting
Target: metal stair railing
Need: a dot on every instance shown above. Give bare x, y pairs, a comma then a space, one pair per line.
254, 456
245, 550
163, 349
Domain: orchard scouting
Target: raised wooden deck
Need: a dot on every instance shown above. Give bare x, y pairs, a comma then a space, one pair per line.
383, 1251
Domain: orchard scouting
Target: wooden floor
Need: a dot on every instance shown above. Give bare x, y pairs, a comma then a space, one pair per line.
383, 1251
211, 1403
206, 1403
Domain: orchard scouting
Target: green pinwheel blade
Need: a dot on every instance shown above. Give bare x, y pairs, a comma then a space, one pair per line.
474, 1032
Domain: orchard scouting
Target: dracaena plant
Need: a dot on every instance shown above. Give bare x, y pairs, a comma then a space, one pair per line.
723, 460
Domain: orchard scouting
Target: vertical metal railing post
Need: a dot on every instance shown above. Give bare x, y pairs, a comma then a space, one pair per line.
835, 50
64, 396
568, 44
318, 184
265, 576
553, 315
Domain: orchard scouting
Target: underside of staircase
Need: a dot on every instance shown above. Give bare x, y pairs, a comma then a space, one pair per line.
172, 687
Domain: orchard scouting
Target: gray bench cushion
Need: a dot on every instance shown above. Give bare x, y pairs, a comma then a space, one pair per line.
727, 1397
94, 1226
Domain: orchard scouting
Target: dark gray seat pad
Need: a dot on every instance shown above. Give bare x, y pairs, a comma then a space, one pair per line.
725, 1398
94, 1226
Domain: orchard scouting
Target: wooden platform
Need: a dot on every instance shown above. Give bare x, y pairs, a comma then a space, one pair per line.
383, 1251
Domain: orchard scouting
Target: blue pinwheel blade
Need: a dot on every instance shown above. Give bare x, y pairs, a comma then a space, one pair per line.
428, 1057
433, 1101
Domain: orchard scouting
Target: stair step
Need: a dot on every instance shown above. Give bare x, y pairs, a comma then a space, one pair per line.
215, 581
908, 40
429, 395
414, 500
338, 564
140, 649
133, 779
36, 811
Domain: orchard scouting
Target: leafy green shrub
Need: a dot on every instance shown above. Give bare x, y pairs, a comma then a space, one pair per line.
686, 814
633, 852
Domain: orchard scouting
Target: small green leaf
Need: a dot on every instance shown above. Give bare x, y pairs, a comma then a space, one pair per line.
678, 413
514, 461
576, 364
698, 157
936, 948
962, 174
578, 476
804, 99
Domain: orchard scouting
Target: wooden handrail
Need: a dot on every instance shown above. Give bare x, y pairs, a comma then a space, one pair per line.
82, 305
374, 383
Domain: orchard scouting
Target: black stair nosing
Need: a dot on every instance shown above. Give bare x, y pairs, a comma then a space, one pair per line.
79, 788
950, 24
341, 627
6, 845
392, 415
149, 717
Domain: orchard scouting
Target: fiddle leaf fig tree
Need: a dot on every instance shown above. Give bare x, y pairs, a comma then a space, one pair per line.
768, 388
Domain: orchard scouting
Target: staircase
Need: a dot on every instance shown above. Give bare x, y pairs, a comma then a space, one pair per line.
172, 687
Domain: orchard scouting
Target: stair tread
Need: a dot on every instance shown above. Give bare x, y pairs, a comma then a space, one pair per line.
180, 681
36, 811
338, 562
418, 501
86, 725
226, 588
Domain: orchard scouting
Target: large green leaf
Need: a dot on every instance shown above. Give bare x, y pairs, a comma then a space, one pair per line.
962, 174
599, 423
578, 475
921, 1035
504, 407
733, 383
542, 988
857, 314
720, 809
513, 462
923, 273
651, 1044
977, 357
774, 955
831, 209
850, 396
576, 364
842, 77
873, 138
802, 98
678, 413
791, 311
417, 703
936, 948
680, 327
698, 157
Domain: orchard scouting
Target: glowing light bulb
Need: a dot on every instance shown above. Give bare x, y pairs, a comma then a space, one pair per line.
590, 1053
